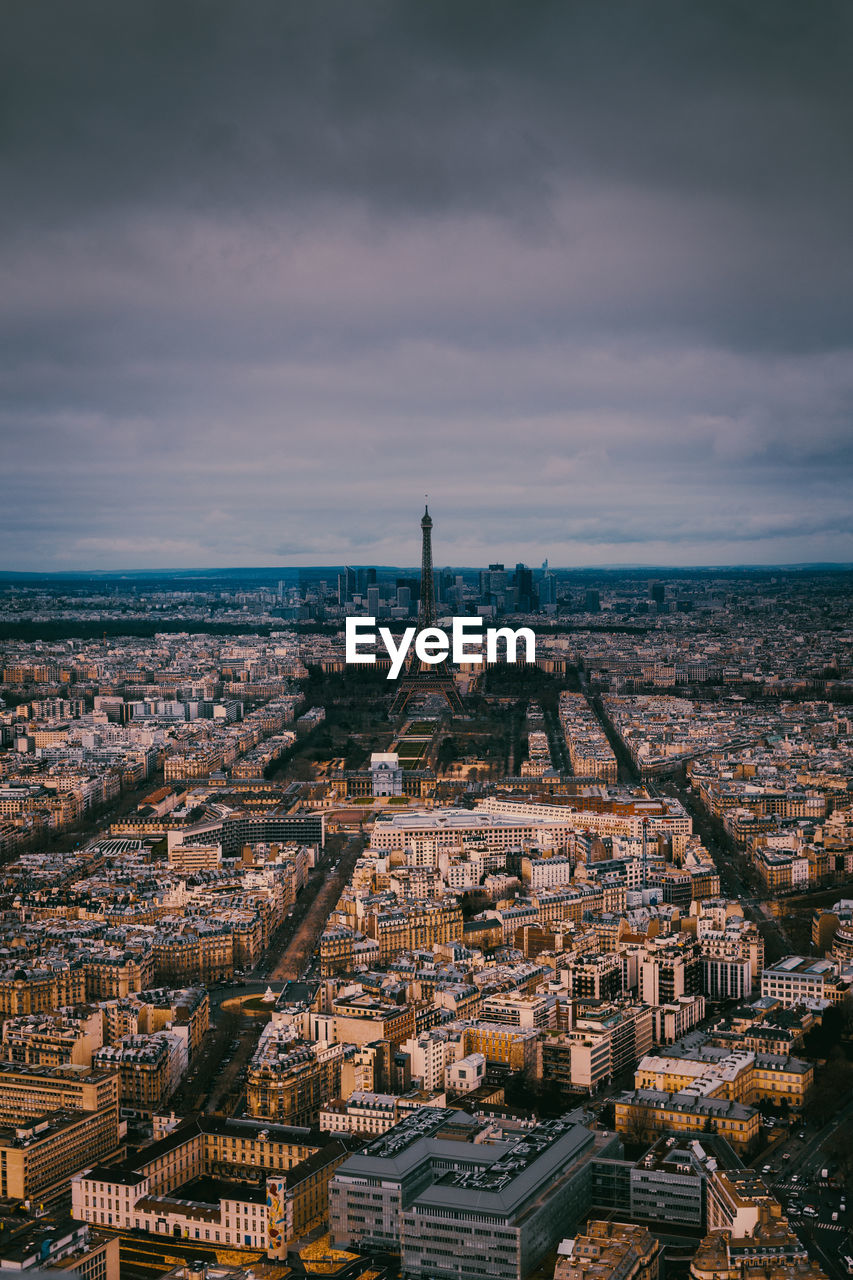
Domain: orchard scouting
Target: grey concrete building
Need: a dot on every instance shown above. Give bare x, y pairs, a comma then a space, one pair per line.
457, 1199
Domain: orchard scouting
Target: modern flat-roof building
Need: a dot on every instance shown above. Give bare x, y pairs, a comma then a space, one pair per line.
39, 1156
801, 979
32, 1091
456, 1200
452, 828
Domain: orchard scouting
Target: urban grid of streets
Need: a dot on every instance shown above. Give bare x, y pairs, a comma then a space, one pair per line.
726, 696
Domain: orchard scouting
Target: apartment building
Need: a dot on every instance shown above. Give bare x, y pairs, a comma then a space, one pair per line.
112, 973
646, 1112
150, 1067
507, 1048
770, 1252
516, 1009
33, 1091
337, 951
25, 990
801, 980
602, 1043
413, 927
370, 1113
672, 1021
290, 1080
588, 976
39, 1156
609, 1251
740, 1075
669, 970
50, 1040
738, 1201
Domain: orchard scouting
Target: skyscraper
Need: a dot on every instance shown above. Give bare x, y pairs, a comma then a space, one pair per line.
523, 588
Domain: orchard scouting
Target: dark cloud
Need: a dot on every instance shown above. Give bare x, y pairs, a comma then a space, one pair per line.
268, 271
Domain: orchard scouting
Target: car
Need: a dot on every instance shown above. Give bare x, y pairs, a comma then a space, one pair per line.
810, 1211
786, 1155
766, 1168
801, 1135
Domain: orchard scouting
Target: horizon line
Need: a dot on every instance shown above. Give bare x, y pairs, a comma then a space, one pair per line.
610, 566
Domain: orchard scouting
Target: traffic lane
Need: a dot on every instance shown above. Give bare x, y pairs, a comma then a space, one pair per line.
827, 1247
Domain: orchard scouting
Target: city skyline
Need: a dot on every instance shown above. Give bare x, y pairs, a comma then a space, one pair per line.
264, 278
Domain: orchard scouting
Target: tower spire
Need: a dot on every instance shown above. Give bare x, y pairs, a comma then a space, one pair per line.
426, 612
424, 678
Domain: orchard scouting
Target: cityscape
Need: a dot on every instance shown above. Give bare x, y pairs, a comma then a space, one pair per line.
503, 968
426, 640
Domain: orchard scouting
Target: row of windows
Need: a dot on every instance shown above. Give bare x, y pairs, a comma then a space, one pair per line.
140, 1225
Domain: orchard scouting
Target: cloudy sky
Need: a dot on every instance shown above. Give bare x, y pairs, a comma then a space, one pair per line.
271, 270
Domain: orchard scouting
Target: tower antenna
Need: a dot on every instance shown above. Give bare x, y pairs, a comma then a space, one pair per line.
423, 678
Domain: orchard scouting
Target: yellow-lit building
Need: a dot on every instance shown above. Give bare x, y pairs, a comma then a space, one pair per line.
610, 1251
275, 1185
647, 1112
41, 990
289, 1081
31, 1091
739, 1075
770, 1252
39, 1157
511, 1047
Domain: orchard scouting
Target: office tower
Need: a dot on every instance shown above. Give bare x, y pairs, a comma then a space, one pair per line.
365, 578
523, 588
547, 590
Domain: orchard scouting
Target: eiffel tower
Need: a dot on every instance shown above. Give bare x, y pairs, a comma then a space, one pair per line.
423, 678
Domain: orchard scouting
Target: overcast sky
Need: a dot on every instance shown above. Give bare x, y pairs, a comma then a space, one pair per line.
269, 271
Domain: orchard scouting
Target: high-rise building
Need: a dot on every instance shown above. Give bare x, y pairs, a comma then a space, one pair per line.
547, 590
523, 588
364, 578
